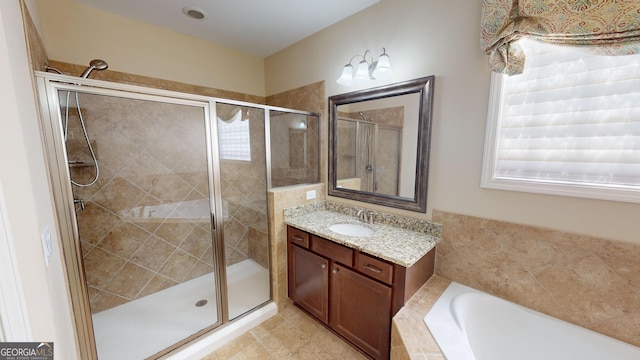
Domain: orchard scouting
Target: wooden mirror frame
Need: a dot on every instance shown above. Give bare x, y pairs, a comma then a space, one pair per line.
422, 86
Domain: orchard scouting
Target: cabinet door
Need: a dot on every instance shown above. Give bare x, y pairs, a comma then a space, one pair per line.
309, 282
361, 311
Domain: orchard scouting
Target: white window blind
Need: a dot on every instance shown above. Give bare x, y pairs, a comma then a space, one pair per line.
234, 138
569, 125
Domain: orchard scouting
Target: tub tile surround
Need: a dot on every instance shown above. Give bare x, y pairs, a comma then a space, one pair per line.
587, 281
401, 240
410, 337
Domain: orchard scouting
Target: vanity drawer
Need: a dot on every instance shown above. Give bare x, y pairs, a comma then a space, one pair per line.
375, 268
298, 237
336, 252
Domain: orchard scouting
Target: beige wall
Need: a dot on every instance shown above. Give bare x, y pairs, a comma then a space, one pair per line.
422, 37
76, 33
27, 198
441, 38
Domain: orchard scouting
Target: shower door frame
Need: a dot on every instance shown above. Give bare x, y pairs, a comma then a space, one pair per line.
59, 176
61, 191
373, 156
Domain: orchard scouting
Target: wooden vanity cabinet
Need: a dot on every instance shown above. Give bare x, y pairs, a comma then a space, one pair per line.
308, 276
361, 310
353, 293
309, 281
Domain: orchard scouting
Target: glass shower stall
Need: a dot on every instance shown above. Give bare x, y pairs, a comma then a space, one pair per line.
369, 156
162, 206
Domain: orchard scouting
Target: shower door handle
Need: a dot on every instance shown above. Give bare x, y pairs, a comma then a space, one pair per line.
213, 221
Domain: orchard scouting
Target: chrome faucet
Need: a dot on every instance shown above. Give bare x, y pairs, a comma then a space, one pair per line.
365, 216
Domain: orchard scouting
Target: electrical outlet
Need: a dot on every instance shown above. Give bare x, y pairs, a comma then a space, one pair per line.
46, 244
311, 195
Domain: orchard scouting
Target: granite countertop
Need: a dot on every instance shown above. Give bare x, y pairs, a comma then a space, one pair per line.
395, 244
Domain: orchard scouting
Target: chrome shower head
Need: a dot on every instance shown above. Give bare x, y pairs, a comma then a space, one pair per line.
96, 64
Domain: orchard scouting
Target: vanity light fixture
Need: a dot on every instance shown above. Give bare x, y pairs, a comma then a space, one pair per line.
366, 70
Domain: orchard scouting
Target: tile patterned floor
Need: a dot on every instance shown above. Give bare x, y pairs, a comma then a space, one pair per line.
291, 334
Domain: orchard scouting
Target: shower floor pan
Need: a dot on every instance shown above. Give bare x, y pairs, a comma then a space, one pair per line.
143, 327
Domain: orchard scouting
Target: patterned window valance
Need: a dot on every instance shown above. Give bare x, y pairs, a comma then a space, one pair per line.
611, 26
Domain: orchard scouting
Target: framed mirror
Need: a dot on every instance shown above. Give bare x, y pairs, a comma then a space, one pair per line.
379, 143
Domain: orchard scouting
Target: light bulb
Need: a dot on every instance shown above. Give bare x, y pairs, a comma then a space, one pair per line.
383, 68
362, 73
346, 78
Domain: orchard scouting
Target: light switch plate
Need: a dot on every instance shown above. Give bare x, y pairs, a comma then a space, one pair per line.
311, 195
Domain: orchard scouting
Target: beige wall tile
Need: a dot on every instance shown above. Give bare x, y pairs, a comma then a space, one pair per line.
129, 281
585, 280
105, 300
152, 171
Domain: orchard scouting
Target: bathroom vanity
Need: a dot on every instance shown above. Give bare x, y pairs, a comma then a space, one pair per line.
341, 282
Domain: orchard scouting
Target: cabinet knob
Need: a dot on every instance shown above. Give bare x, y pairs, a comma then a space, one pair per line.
335, 271
323, 266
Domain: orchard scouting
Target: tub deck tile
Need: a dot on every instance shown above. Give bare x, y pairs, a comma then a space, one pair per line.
410, 337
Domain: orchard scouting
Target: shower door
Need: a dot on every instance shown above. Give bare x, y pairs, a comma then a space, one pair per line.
370, 153
366, 156
141, 171
387, 169
243, 179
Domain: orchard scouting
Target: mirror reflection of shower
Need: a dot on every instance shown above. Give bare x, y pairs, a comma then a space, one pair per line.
369, 146
95, 64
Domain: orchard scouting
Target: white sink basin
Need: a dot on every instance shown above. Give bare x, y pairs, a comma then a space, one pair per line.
351, 229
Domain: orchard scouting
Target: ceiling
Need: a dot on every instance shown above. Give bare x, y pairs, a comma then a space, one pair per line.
258, 27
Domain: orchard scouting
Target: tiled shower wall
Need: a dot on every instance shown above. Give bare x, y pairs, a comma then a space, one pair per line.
146, 223
588, 281
294, 151
308, 98
114, 273
244, 189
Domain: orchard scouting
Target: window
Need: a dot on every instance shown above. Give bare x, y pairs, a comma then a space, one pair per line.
234, 138
568, 125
